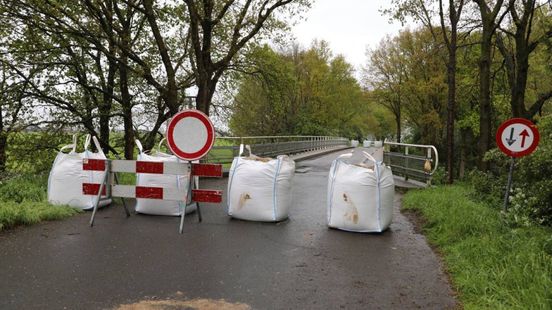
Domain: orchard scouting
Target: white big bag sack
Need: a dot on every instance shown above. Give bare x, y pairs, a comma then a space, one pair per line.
158, 206
66, 177
360, 196
259, 189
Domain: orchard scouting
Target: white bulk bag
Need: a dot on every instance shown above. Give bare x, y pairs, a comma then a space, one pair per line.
360, 197
66, 177
259, 189
354, 143
158, 206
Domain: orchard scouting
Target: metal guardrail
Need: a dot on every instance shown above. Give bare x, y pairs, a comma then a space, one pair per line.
412, 161
415, 161
269, 146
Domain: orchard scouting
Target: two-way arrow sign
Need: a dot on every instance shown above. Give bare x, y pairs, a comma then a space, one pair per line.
517, 137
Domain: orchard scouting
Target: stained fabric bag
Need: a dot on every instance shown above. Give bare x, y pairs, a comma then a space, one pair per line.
259, 189
67, 176
360, 196
157, 206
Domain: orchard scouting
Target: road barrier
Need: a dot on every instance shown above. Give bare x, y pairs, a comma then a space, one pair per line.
110, 188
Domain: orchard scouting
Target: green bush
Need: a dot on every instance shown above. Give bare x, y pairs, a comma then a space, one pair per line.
34, 152
23, 201
531, 193
24, 188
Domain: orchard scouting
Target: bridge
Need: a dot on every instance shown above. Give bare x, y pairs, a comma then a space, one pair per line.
413, 165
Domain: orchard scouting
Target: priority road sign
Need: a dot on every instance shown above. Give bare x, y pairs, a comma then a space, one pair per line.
517, 137
190, 135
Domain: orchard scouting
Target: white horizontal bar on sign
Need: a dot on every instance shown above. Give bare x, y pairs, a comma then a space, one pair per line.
124, 191
123, 166
177, 168
175, 194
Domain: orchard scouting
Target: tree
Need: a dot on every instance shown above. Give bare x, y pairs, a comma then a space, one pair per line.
516, 56
385, 74
302, 92
220, 29
491, 17
422, 11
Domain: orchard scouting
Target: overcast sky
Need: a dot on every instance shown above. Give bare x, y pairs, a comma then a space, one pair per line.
350, 26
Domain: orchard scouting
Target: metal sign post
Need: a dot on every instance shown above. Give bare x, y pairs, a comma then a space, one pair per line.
190, 136
516, 137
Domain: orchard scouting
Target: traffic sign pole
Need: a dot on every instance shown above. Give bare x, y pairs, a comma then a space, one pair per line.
509, 185
516, 137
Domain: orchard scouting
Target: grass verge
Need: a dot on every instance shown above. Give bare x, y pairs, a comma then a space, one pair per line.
30, 212
492, 265
23, 201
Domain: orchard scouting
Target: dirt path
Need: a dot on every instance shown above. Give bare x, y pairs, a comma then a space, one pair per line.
143, 263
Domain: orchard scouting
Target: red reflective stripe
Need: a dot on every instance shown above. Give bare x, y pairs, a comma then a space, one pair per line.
207, 195
93, 164
149, 167
149, 192
207, 170
92, 189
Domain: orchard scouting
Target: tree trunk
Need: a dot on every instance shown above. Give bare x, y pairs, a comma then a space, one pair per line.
451, 106
206, 89
105, 107
127, 109
3, 149
520, 82
485, 108
398, 120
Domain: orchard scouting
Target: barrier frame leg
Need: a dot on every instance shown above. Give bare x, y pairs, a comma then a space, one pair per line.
99, 196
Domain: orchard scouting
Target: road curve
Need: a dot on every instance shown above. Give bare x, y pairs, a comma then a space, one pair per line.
221, 263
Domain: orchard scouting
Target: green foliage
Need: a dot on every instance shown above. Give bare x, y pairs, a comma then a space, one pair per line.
24, 188
34, 152
23, 202
304, 93
531, 194
491, 265
439, 177
31, 212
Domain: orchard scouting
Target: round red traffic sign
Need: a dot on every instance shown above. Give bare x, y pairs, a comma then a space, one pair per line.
517, 137
190, 134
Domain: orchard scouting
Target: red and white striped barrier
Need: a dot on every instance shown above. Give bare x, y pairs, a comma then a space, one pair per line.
132, 191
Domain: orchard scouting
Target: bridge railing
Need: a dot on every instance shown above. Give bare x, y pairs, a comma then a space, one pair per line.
412, 161
227, 148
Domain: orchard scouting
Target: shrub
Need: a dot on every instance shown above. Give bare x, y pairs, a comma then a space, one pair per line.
24, 188
531, 193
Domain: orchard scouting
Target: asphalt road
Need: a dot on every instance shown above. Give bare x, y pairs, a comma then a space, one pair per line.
221, 263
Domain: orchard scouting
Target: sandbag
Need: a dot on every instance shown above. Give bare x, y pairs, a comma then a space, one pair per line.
158, 206
360, 196
66, 177
259, 189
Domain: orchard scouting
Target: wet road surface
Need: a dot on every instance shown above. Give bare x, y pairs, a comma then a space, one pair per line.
222, 263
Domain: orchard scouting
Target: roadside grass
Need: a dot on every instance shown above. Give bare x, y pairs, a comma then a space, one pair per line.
23, 201
492, 265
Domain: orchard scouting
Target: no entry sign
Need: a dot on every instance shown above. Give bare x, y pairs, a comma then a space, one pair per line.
517, 137
190, 135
